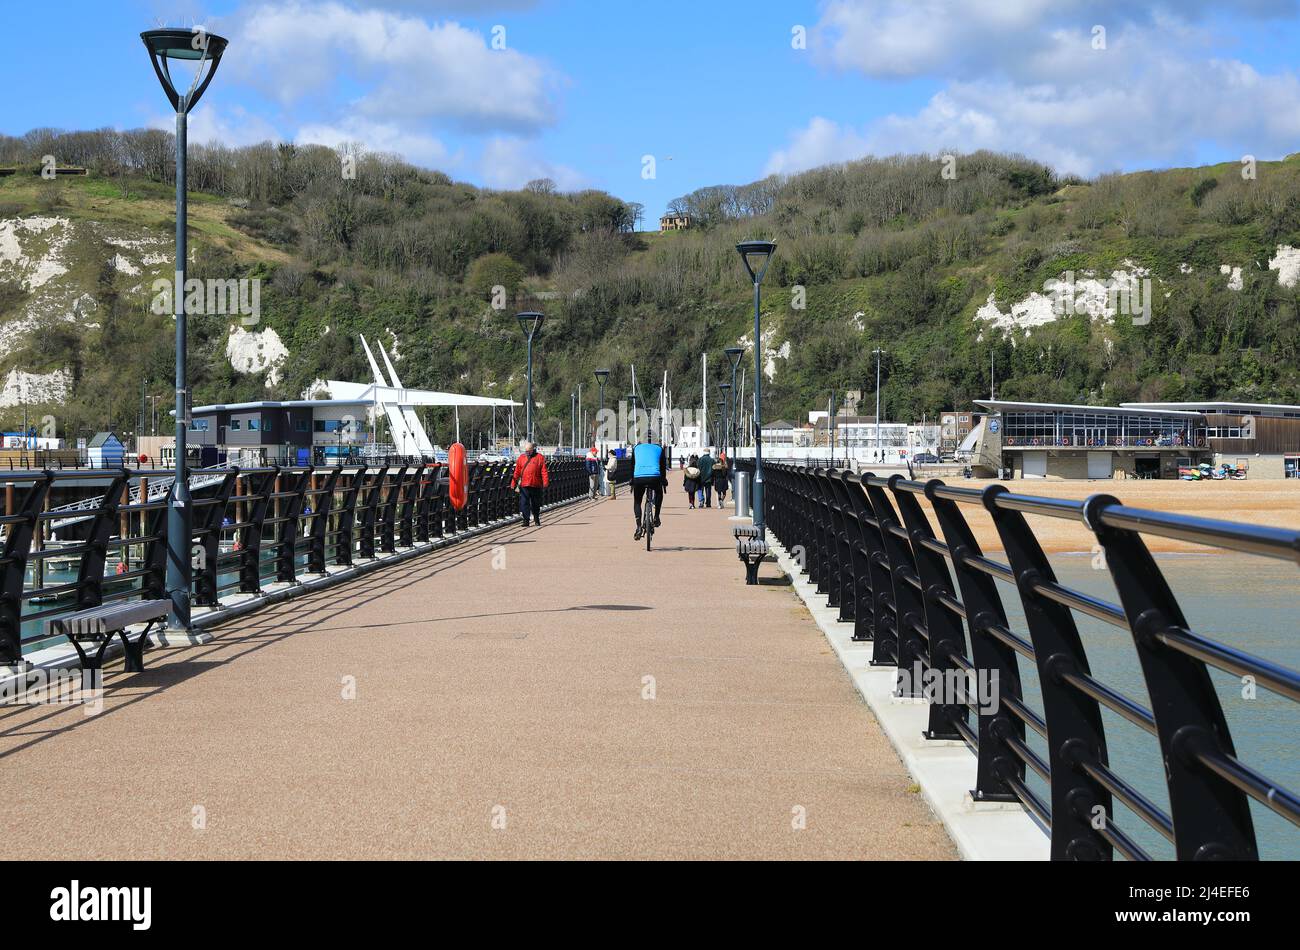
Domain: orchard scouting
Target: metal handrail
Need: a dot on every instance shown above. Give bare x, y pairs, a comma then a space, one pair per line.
931, 598
356, 512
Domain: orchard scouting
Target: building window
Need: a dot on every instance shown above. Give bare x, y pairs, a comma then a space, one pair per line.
234, 425
254, 425
200, 425
301, 425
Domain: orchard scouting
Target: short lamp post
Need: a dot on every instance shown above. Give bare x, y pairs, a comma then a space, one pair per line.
757, 255
531, 323
166, 46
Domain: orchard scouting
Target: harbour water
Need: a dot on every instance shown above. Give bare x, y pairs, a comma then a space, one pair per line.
1248, 603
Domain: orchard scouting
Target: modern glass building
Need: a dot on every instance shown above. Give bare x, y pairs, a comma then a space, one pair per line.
1028, 440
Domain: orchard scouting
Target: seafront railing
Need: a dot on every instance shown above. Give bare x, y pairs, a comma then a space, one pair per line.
251, 527
931, 601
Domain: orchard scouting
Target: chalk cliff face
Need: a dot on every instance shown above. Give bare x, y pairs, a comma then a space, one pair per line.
1009, 261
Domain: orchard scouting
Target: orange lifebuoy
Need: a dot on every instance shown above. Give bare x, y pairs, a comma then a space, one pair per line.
458, 473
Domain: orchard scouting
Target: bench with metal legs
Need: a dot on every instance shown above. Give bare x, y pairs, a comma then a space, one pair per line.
99, 625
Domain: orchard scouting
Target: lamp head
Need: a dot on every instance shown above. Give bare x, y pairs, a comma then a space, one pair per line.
196, 45
725, 387
531, 322
734, 353
756, 255
601, 376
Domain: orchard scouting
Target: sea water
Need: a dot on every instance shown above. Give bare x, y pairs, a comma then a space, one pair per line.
1244, 602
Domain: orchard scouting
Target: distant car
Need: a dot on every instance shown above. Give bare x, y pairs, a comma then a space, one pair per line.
925, 458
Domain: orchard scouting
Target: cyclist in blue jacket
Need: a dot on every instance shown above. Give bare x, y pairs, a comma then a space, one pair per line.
649, 473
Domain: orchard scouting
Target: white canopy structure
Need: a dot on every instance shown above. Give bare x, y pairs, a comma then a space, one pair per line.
387, 394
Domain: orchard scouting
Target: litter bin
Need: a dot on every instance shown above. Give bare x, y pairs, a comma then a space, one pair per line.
741, 494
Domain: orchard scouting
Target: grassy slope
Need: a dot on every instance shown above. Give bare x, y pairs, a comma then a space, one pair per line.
1205, 340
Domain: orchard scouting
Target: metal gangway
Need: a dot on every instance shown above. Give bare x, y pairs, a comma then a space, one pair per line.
158, 489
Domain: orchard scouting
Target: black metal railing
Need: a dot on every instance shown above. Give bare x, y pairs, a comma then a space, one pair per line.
930, 600
250, 527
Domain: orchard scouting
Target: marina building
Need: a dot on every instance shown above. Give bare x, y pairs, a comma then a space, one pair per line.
1055, 440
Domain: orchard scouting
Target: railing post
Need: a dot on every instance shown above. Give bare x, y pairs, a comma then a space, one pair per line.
388, 513
1211, 816
17, 546
207, 525
998, 766
946, 640
286, 561
344, 533
322, 507
90, 573
874, 617
1075, 734
908, 610
250, 542
370, 511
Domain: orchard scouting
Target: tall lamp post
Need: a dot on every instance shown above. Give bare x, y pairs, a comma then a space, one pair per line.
757, 255
205, 49
725, 388
531, 322
601, 376
632, 400
878, 352
734, 353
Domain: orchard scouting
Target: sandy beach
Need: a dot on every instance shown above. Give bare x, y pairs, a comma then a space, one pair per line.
1275, 503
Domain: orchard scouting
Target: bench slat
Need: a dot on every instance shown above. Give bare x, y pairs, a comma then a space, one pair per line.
100, 621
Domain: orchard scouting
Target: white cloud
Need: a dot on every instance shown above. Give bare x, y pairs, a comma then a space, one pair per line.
414, 146
405, 68
1016, 81
513, 162
232, 126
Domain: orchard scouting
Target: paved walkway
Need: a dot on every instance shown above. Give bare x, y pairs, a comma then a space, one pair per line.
502, 682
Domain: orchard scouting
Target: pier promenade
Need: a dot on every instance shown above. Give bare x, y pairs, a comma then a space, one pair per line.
529, 693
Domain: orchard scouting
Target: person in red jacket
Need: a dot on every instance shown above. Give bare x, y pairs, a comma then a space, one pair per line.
530, 477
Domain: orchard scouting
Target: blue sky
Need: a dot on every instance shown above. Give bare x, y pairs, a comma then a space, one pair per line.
715, 91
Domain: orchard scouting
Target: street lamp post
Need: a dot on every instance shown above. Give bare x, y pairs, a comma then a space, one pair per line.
601, 376
632, 400
757, 255
726, 416
878, 352
573, 423
205, 49
531, 323
734, 353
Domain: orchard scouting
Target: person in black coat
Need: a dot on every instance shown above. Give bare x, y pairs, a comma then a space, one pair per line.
692, 482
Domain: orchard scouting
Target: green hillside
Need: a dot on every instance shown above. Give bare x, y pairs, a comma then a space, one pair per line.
887, 252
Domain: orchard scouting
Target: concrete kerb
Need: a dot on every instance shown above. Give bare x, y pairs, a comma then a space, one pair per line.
944, 771
204, 618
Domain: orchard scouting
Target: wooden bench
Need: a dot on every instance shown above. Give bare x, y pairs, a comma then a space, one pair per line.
101, 624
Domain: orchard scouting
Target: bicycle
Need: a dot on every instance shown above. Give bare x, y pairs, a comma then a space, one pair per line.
646, 517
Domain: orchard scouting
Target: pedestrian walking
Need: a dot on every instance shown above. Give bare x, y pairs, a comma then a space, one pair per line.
691, 479
721, 474
705, 465
531, 478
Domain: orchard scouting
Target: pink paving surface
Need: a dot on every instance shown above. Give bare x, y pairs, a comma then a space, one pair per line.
501, 710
